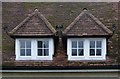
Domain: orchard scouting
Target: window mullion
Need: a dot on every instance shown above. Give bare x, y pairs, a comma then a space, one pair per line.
43, 49
77, 47
25, 49
95, 47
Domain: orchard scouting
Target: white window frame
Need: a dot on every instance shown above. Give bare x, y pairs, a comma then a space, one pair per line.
51, 50
86, 49
34, 49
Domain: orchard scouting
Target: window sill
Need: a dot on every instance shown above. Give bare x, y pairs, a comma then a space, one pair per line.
86, 59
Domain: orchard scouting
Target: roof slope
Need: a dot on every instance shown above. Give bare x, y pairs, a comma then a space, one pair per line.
86, 25
34, 25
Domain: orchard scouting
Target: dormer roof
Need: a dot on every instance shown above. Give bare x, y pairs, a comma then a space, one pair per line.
34, 25
85, 24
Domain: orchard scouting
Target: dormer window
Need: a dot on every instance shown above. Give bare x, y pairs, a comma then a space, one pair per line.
34, 41
86, 38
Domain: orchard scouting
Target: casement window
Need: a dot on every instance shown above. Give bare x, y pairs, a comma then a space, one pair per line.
42, 48
86, 48
34, 49
25, 48
77, 48
95, 48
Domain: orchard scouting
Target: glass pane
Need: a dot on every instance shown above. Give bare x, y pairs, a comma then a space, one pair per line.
99, 44
98, 52
28, 44
22, 44
74, 52
80, 52
92, 52
74, 44
92, 44
80, 44
39, 52
28, 52
46, 52
39, 44
46, 44
22, 52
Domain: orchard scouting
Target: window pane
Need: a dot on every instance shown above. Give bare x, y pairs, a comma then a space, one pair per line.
92, 44
80, 52
28, 44
22, 52
46, 44
99, 44
28, 52
39, 44
39, 52
22, 44
74, 52
92, 52
80, 44
74, 44
98, 52
46, 52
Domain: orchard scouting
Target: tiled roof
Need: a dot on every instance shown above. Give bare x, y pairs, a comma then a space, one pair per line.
34, 25
86, 25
